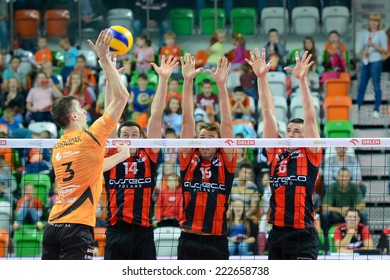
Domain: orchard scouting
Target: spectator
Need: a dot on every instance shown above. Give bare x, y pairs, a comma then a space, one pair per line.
171, 155
173, 89
340, 196
238, 40
4, 26
70, 58
88, 76
343, 158
77, 87
240, 230
143, 54
246, 190
141, 97
43, 53
9, 120
216, 49
171, 48
373, 45
92, 14
14, 72
29, 209
40, 98
264, 227
275, 51
47, 68
7, 184
352, 234
172, 115
14, 99
207, 100
249, 82
386, 55
242, 109
169, 206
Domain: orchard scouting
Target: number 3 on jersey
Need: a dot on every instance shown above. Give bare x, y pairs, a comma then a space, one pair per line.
132, 168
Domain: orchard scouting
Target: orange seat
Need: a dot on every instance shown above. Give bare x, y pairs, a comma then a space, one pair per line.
337, 107
200, 58
4, 241
345, 76
56, 21
100, 237
27, 23
337, 87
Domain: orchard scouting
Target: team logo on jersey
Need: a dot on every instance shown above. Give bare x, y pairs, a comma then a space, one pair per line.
58, 156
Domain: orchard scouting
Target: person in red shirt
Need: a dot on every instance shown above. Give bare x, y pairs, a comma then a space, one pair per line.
171, 48
169, 206
43, 53
352, 234
173, 89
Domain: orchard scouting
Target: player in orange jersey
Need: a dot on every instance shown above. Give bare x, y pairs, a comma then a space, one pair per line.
78, 165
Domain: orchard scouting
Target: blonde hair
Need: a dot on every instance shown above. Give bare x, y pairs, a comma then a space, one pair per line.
376, 17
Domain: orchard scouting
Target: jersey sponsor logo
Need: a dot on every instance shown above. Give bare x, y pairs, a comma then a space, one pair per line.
67, 154
68, 189
58, 156
204, 186
68, 142
130, 183
277, 182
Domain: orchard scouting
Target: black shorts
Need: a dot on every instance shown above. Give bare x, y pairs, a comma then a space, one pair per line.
67, 242
202, 247
129, 242
292, 244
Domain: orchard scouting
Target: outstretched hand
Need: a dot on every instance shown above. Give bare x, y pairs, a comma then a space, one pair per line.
221, 73
166, 67
257, 61
188, 67
301, 66
102, 44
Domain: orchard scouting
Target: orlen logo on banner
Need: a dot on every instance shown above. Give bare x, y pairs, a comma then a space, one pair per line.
121, 142
246, 142
3, 142
371, 141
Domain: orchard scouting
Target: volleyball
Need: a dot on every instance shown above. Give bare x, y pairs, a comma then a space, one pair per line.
122, 40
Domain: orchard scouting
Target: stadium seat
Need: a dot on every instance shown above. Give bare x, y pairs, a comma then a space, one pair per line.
305, 20
28, 241
38, 127
4, 241
336, 87
119, 16
337, 108
200, 58
90, 57
200, 78
100, 238
5, 215
338, 129
277, 83
27, 23
56, 21
296, 107
274, 17
182, 21
335, 18
166, 240
282, 126
41, 182
244, 20
207, 20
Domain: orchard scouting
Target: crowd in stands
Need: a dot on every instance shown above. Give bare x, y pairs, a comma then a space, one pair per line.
26, 97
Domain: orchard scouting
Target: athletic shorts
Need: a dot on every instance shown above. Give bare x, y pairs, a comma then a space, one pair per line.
286, 243
126, 241
67, 242
202, 247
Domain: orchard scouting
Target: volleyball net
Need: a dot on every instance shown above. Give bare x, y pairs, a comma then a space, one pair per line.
26, 162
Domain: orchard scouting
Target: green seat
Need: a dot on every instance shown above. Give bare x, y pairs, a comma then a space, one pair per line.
332, 244
28, 241
152, 80
338, 129
244, 20
292, 55
200, 78
42, 185
207, 20
182, 21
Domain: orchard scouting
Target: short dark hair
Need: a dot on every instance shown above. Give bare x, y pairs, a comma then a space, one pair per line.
170, 130
297, 120
273, 30
143, 76
211, 127
207, 81
130, 124
61, 110
239, 88
246, 165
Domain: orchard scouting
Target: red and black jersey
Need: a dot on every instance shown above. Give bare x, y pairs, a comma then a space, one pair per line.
129, 187
292, 180
362, 234
206, 188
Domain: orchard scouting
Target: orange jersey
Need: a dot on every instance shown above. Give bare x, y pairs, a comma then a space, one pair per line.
78, 158
174, 51
43, 55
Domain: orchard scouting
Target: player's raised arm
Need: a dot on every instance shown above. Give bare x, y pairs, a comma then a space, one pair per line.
302, 66
164, 71
119, 92
261, 68
189, 72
